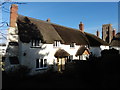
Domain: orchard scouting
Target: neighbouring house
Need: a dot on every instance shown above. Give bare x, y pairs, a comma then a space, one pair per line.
115, 43
41, 44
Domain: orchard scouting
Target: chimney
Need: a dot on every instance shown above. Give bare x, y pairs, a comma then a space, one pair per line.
48, 20
114, 33
13, 15
97, 33
81, 27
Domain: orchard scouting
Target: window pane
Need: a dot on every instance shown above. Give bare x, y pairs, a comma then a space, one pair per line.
56, 43
37, 63
71, 57
45, 62
72, 45
35, 42
31, 42
39, 44
41, 63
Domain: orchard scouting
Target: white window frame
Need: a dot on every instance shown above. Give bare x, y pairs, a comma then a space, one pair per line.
56, 43
36, 43
72, 45
43, 64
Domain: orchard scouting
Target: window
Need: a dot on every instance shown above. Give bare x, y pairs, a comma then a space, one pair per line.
35, 43
41, 63
13, 43
72, 45
37, 63
45, 62
70, 58
56, 43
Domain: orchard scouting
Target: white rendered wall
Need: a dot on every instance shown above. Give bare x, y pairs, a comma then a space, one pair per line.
46, 51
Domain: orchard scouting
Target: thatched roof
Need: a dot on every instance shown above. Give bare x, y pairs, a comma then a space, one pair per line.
61, 53
94, 40
37, 29
70, 35
30, 28
81, 51
116, 41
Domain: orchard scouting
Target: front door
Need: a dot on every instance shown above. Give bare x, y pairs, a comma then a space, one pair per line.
61, 64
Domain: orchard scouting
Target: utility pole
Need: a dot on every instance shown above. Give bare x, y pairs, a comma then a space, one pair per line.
0, 46
0, 33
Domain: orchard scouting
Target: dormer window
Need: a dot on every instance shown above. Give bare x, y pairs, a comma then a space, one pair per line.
56, 43
36, 43
72, 45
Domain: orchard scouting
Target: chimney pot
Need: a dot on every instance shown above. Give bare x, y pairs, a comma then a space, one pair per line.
48, 20
81, 27
114, 33
98, 33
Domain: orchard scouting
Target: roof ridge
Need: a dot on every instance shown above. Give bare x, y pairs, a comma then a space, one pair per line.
50, 23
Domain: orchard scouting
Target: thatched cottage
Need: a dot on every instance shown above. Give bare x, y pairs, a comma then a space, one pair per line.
40, 44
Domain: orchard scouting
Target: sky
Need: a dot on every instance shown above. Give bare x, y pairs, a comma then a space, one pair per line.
70, 14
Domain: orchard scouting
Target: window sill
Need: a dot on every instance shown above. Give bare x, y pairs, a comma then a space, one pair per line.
56, 46
72, 47
44, 68
35, 46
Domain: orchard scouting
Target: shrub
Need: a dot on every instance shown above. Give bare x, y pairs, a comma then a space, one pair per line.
19, 71
109, 52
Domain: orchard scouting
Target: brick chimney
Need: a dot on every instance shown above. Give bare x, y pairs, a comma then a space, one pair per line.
48, 20
81, 27
13, 15
114, 33
97, 33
